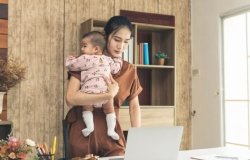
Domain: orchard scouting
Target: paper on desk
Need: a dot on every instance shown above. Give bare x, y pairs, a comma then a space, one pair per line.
112, 158
219, 157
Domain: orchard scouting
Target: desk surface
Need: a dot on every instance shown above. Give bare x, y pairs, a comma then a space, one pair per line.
211, 153
208, 154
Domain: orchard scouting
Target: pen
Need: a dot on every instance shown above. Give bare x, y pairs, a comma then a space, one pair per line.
54, 148
196, 158
227, 157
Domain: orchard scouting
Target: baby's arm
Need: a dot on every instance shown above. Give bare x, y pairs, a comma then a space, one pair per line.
74, 97
75, 64
116, 64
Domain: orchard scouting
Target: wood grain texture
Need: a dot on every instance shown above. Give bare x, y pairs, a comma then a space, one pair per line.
3, 41
150, 116
56, 73
3, 26
166, 7
4, 1
181, 10
36, 37
43, 33
101, 9
71, 30
83, 12
14, 37
29, 100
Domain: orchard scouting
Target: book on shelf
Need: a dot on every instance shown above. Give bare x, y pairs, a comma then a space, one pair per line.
145, 54
136, 55
141, 54
128, 54
131, 50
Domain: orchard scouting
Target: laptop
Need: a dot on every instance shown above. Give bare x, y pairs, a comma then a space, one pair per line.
153, 143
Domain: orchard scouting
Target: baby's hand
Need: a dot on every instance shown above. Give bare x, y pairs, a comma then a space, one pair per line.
113, 87
70, 57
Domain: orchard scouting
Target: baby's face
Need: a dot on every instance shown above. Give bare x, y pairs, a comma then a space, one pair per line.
87, 47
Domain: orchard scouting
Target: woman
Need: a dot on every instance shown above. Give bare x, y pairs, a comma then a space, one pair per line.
118, 32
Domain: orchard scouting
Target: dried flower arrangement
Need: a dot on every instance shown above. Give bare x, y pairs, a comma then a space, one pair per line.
12, 72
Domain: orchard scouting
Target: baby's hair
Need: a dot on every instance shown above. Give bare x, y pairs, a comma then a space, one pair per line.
96, 38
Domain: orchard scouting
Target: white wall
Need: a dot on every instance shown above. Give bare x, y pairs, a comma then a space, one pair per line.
205, 25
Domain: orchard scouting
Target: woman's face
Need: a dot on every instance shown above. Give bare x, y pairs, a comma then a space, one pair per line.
118, 42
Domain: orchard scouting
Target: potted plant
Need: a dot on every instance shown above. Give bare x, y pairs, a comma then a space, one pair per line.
160, 57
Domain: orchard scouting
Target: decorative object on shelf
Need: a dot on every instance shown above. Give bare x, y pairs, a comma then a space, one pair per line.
1, 101
12, 72
161, 56
15, 149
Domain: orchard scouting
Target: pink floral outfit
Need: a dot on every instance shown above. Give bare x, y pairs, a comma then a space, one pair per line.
95, 71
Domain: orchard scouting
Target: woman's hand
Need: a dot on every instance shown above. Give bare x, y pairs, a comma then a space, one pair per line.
113, 87
75, 97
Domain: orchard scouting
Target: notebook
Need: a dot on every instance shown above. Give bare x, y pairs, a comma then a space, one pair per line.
153, 143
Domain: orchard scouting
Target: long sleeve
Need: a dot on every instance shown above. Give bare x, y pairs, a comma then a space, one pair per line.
78, 64
116, 64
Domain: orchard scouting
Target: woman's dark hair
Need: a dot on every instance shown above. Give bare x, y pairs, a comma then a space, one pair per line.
115, 23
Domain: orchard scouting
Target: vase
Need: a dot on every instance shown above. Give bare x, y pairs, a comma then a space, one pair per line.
1, 101
161, 61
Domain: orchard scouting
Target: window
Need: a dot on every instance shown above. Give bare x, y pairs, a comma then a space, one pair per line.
236, 78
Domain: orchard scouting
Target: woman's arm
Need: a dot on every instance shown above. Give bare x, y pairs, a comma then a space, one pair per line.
135, 112
75, 97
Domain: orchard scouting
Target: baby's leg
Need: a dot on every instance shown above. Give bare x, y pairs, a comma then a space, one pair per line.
108, 109
87, 116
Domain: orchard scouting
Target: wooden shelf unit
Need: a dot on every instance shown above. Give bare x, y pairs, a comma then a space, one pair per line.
157, 99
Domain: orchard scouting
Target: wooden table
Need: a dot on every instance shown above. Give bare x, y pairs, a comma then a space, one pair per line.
220, 153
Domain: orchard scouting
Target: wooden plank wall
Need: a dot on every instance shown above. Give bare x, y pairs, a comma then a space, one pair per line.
4, 46
43, 33
36, 36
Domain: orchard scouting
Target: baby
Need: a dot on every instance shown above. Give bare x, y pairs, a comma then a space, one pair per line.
96, 69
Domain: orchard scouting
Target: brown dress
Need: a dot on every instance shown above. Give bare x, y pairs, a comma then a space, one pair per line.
98, 142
